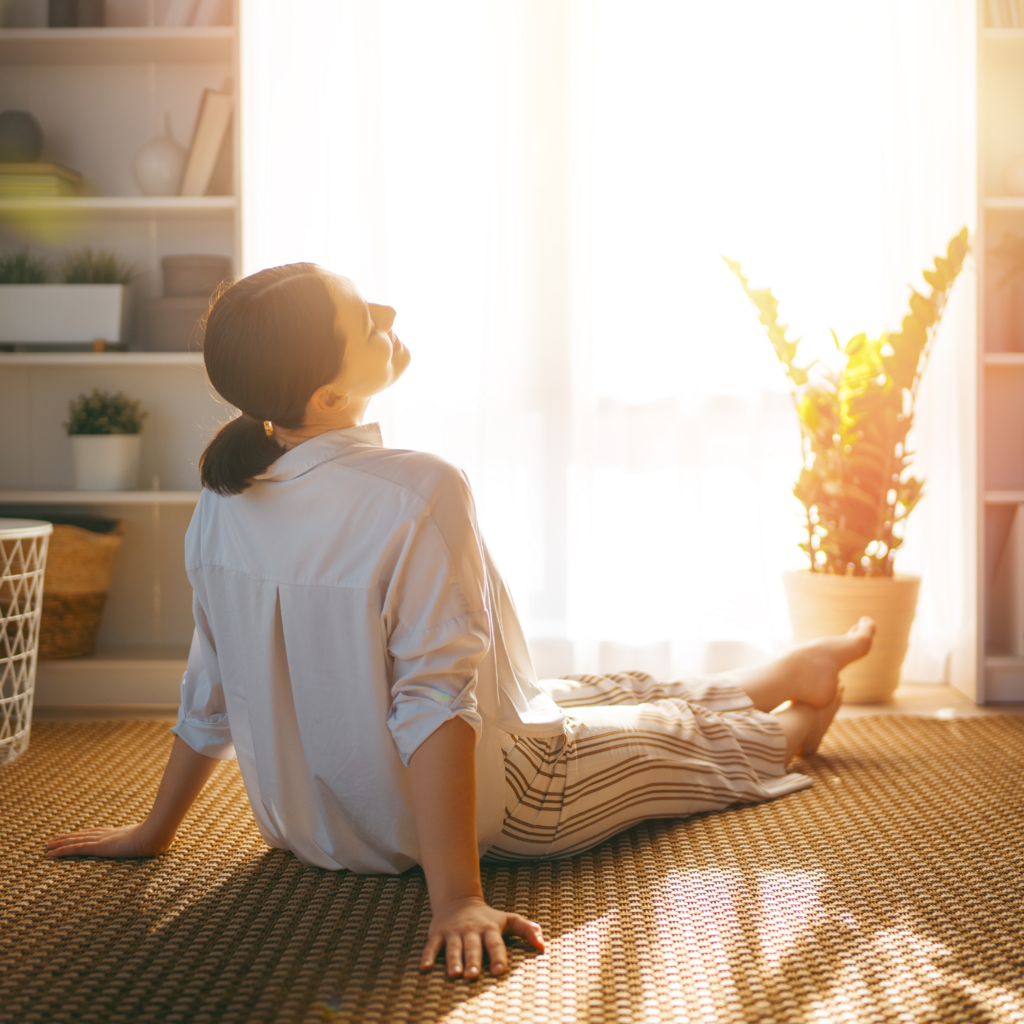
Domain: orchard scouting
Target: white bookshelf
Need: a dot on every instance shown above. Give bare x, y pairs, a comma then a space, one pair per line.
999, 675
100, 94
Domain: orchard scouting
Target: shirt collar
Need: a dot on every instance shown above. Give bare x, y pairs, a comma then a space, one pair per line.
322, 448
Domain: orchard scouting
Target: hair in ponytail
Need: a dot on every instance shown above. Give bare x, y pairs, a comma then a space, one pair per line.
270, 342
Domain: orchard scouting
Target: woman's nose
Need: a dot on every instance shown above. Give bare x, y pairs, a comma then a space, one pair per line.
383, 316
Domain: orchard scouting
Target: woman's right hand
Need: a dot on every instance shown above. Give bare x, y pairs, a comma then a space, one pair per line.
122, 841
466, 929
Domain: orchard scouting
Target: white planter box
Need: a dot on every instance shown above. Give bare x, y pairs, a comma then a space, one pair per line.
106, 462
59, 314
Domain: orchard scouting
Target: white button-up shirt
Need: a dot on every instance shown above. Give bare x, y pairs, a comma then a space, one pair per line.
345, 608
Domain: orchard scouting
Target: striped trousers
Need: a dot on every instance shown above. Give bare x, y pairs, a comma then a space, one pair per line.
634, 748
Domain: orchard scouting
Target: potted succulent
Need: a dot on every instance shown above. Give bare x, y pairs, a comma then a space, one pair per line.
87, 304
855, 485
105, 440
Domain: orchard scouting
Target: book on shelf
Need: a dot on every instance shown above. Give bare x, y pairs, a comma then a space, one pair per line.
1007, 616
208, 138
34, 180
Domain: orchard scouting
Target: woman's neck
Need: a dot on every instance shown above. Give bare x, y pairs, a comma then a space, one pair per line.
292, 438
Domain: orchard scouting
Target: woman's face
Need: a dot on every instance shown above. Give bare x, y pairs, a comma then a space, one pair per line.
374, 357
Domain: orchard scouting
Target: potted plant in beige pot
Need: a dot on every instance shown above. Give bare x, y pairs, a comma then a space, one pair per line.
855, 484
105, 432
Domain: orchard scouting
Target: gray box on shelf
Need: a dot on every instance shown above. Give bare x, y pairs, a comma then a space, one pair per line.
197, 274
171, 324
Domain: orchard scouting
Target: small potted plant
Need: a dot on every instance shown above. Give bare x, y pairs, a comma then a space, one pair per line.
86, 305
855, 486
105, 440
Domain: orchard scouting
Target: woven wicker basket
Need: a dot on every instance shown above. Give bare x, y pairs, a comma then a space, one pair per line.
78, 570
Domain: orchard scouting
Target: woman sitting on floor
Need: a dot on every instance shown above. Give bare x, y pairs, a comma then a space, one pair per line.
358, 651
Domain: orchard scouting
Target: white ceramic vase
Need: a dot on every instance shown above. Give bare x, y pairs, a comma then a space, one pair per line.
821, 604
159, 164
106, 462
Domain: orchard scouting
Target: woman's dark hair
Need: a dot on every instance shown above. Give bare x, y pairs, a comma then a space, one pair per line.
270, 342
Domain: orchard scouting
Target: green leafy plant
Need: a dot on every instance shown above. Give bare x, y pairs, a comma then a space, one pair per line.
99, 412
855, 485
88, 267
23, 268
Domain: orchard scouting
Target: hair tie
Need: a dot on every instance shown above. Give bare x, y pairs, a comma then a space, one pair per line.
268, 428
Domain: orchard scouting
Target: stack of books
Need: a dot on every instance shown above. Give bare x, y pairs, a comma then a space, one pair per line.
36, 180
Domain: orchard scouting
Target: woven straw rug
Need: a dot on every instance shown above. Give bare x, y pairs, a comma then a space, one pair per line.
893, 890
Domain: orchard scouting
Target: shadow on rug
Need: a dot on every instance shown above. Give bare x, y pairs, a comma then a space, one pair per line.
893, 890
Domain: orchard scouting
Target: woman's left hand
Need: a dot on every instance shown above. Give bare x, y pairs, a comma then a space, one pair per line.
122, 841
465, 928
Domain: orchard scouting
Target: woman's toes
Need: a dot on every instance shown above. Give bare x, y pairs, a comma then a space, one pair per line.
865, 627
856, 642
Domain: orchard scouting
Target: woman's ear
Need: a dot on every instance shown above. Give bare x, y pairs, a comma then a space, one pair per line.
328, 400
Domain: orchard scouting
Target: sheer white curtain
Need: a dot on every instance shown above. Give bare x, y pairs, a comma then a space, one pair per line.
542, 189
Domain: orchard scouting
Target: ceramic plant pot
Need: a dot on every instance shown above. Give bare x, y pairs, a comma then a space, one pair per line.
46, 314
826, 605
106, 462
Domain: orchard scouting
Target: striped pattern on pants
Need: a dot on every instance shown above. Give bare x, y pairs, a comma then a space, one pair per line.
634, 748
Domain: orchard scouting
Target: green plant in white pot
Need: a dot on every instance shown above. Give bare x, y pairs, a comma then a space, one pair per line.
105, 432
855, 484
86, 305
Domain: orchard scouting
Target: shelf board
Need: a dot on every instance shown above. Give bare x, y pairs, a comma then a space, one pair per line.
145, 654
117, 45
104, 359
1004, 358
26, 497
1004, 497
1004, 661
1003, 35
113, 677
122, 207
1004, 203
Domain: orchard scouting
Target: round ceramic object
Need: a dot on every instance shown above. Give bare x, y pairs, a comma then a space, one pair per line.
21, 138
62, 13
106, 462
158, 165
1013, 176
194, 275
821, 604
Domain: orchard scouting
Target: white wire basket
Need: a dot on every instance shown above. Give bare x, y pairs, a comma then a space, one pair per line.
23, 545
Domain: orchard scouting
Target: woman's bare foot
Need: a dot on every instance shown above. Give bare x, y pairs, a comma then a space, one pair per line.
825, 716
816, 665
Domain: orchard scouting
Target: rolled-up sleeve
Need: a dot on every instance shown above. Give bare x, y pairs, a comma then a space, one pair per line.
435, 681
203, 714
437, 622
